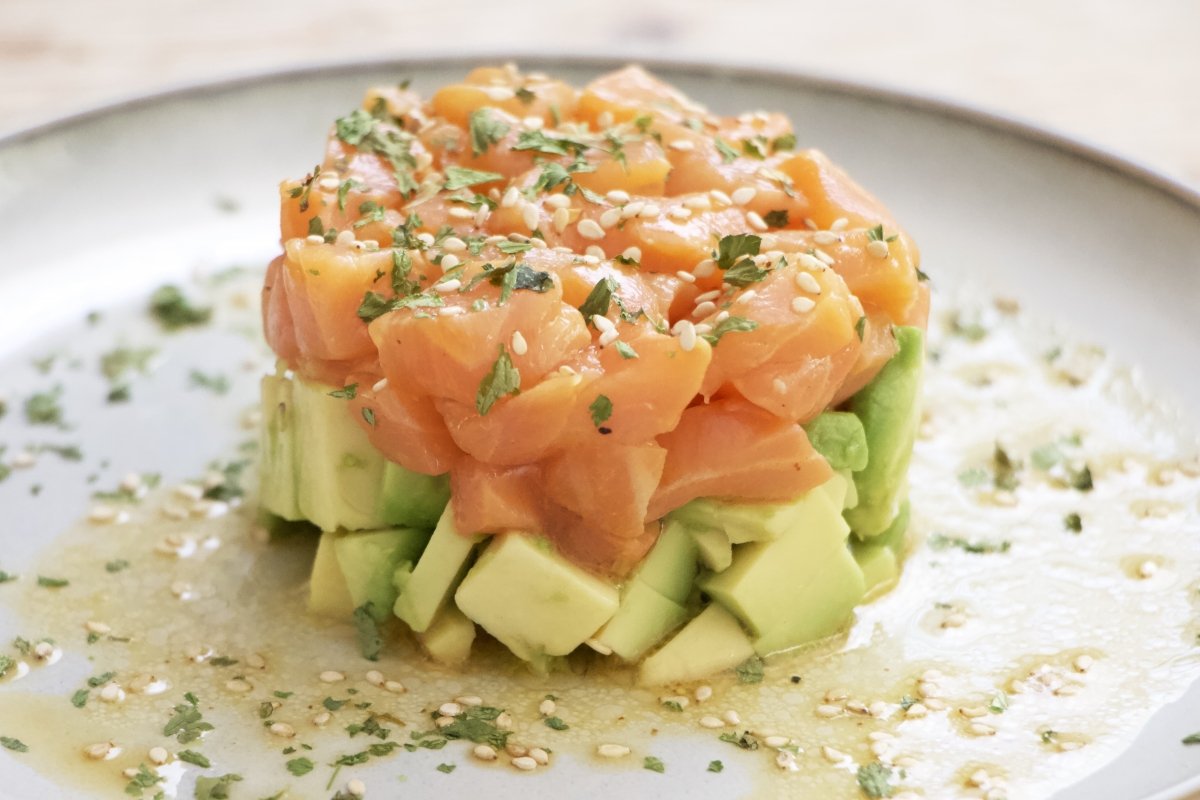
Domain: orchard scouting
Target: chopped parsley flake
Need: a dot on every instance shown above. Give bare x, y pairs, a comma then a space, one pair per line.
215, 788
941, 542
873, 780
732, 248
370, 641
598, 299
999, 703
476, 724
750, 670
174, 311
860, 327
1081, 478
625, 350
503, 379
785, 142
673, 705
485, 130
42, 408
601, 409
300, 766
375, 305
5, 577
715, 766
1004, 469
6, 663
145, 779
462, 177
1193, 738
192, 757
80, 698
777, 218
744, 740
187, 724
539, 141
728, 154
215, 382
52, 583
1073, 522
729, 325
654, 764
744, 273
555, 723
446, 768
347, 392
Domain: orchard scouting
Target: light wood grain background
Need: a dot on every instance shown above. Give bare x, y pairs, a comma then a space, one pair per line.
1123, 74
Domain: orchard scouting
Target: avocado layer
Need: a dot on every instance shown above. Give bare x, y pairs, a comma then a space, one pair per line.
890, 410
840, 437
449, 637
424, 588
712, 642
368, 559
328, 594
319, 465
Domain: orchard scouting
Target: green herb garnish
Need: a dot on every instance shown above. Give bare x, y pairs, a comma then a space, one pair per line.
503, 379
173, 310
654, 764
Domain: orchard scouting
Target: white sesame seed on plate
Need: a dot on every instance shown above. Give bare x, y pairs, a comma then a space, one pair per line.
282, 730
356, 787
239, 685
322, 719
590, 229
524, 763
426, 238
1083, 663
631, 210
345, 238
679, 213
547, 707
776, 741
158, 755
1147, 569
461, 213
47, 653
102, 751
561, 219
743, 195
980, 729
484, 752
594, 251
779, 386
747, 296
732, 717
375, 677
703, 693
539, 755
189, 491
711, 722
533, 123
821, 254
916, 711
612, 751
112, 693
698, 202
608, 337
832, 755
828, 711
449, 262
395, 687
331, 676
450, 709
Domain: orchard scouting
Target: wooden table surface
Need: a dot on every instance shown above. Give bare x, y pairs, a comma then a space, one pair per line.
1122, 74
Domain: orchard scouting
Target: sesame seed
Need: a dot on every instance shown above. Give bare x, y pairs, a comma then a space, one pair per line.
426, 238
779, 386
47, 653
547, 707
485, 752
239, 685
934, 704
379, 385
698, 202
102, 751
590, 229
825, 238
453, 244
1147, 569
97, 627
603, 324
558, 200
610, 217
747, 296
539, 755
679, 213
711, 722
283, 730
825, 257
445, 287
158, 755
608, 337
1083, 663
313, 238
832, 755
786, 761
510, 197
524, 763
650, 211
112, 693
743, 195
813, 263
633, 254
443, 722
561, 218
530, 216
685, 276
756, 221
878, 248
331, 676
395, 687
704, 309
189, 491
720, 197
839, 224
721, 317
828, 711
617, 196
504, 721
375, 677
499, 94
979, 777
916, 711
452, 311
808, 283
682, 145
704, 268
594, 254
732, 717
450, 709
322, 719
857, 707
345, 238
802, 305
776, 741
356, 787
979, 729
954, 620
519, 346
631, 210
101, 514
604, 119
703, 328
836, 695
612, 751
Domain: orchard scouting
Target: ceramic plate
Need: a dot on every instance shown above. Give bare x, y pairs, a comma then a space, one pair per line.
99, 209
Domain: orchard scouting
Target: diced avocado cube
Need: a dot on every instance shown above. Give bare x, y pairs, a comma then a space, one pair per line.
744, 522
532, 599
277, 457
449, 637
840, 437
328, 595
713, 546
798, 588
712, 642
424, 592
343, 481
879, 558
643, 619
670, 566
890, 410
369, 558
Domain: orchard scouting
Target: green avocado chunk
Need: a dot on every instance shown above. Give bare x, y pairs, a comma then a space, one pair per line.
653, 600
714, 548
839, 436
712, 642
423, 589
369, 558
741, 521
328, 595
533, 600
449, 637
797, 588
879, 558
889, 407
319, 465
277, 460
